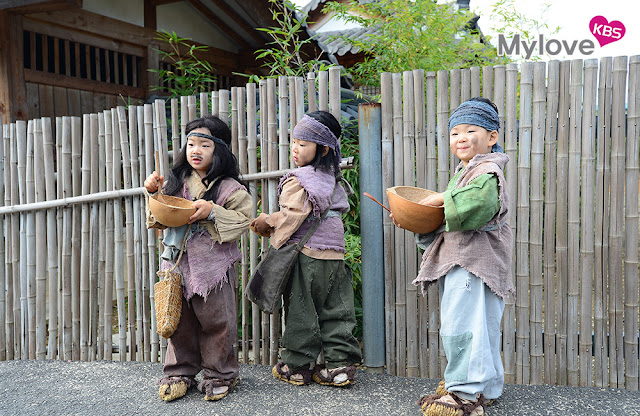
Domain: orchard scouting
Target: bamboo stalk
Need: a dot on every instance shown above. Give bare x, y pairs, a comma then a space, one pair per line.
94, 226
184, 119
587, 174
102, 224
616, 225
549, 247
561, 227
30, 249
223, 105
522, 232
286, 124
631, 228
399, 238
76, 163
204, 104
151, 233
274, 157
323, 90
311, 91
65, 171
41, 247
109, 238
215, 103
499, 91
264, 157
334, 92
535, 244
421, 182
475, 81
13, 296
602, 224
5, 237
455, 91
191, 107
234, 121
511, 172
176, 134
243, 153
433, 300
252, 156
408, 140
85, 242
388, 227
19, 263
6, 316
119, 234
60, 226
487, 82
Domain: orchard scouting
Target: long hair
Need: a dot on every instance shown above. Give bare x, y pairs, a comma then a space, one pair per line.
328, 162
224, 163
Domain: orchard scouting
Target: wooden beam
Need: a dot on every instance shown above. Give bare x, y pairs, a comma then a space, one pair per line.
13, 90
6, 107
36, 6
255, 34
161, 2
58, 80
220, 23
150, 17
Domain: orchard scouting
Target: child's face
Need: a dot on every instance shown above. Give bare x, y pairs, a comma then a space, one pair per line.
468, 140
200, 152
303, 152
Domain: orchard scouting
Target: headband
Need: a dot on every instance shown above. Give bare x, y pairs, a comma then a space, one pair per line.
207, 136
311, 130
477, 113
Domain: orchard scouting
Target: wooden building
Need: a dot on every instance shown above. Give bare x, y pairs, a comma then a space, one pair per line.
72, 57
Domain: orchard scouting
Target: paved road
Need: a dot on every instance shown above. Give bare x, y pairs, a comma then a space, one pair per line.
114, 388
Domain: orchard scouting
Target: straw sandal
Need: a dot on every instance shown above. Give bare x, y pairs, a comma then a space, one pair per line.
451, 405
174, 387
297, 378
338, 377
441, 391
215, 388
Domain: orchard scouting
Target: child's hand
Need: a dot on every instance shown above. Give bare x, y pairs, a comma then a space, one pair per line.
153, 182
394, 221
203, 209
436, 199
259, 225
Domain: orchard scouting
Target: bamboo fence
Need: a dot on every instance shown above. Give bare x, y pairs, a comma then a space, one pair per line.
79, 265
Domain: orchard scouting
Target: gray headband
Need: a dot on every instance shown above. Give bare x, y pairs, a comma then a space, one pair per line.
477, 113
311, 130
207, 136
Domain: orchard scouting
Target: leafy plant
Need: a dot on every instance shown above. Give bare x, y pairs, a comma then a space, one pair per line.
191, 74
409, 35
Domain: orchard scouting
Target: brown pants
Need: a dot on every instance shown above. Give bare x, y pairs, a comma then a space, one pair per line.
205, 336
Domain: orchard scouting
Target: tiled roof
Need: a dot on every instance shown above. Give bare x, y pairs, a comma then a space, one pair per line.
329, 42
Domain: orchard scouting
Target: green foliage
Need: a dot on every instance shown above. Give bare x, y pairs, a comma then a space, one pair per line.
284, 56
410, 35
191, 74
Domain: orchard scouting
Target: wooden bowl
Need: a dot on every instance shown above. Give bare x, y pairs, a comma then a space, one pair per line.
403, 201
175, 212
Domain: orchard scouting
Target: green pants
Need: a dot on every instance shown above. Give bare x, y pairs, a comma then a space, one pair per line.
319, 315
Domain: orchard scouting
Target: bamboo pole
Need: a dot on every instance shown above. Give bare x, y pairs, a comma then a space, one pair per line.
30, 252
184, 119
442, 143
334, 93
465, 85
264, 158
102, 221
631, 228
23, 260
602, 223
398, 178
109, 238
65, 171
587, 195
455, 92
421, 182
4, 237
13, 297
522, 232
85, 242
549, 247
388, 227
215, 103
137, 278
6, 315
323, 90
191, 108
535, 236
119, 234
561, 227
151, 233
510, 147
41, 246
223, 105
177, 130
410, 260
60, 226
252, 157
76, 163
283, 119
311, 92
243, 153
234, 121
129, 233
274, 157
433, 300
573, 247
487, 82
475, 81
95, 231
616, 225
499, 91
204, 104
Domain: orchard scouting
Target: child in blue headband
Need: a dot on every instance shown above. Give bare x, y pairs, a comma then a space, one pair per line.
470, 257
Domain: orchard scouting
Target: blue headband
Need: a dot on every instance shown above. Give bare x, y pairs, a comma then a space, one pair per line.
477, 113
207, 136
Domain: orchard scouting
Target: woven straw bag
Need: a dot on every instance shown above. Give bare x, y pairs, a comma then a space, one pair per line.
168, 297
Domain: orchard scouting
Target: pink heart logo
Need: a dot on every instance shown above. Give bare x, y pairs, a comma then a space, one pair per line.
606, 32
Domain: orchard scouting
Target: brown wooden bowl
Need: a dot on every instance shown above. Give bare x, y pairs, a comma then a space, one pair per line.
175, 212
403, 201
